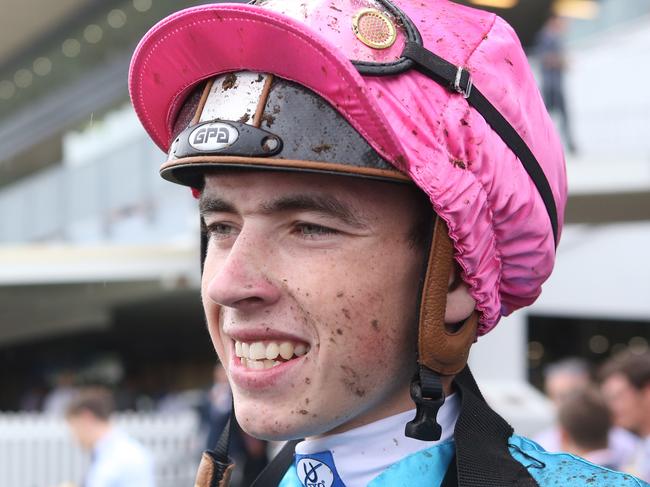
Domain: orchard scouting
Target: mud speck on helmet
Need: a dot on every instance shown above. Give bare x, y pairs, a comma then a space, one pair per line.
229, 81
269, 119
321, 148
458, 163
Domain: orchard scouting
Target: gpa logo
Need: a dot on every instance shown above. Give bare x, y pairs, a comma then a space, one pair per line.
213, 136
314, 473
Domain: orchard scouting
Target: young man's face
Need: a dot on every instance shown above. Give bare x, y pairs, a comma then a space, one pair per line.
82, 426
314, 280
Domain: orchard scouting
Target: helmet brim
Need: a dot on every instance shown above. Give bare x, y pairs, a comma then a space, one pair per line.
201, 42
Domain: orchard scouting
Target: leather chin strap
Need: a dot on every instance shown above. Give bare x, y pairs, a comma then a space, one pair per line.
443, 349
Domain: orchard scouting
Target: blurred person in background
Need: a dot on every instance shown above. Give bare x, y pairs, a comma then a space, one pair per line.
584, 424
625, 382
116, 459
560, 378
63, 390
550, 49
246, 450
564, 378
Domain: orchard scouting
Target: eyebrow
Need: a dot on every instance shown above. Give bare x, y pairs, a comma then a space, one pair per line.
325, 205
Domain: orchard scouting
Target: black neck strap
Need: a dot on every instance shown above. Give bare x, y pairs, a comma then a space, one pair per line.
481, 439
277, 468
456, 78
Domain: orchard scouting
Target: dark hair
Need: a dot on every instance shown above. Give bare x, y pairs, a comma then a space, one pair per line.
634, 366
584, 416
97, 401
421, 232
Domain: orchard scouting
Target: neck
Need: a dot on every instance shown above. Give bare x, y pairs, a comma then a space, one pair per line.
99, 432
644, 431
362, 453
400, 403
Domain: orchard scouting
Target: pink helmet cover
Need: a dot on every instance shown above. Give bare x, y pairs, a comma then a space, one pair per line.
499, 225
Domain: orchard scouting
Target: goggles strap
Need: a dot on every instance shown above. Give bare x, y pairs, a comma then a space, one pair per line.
369, 68
458, 79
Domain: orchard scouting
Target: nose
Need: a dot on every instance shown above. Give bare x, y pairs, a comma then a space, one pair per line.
240, 278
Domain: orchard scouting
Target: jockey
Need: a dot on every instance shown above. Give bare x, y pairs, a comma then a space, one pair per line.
378, 182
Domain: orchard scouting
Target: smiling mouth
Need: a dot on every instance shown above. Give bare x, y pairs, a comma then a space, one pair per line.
265, 355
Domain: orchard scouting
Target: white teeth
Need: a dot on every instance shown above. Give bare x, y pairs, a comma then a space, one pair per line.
257, 351
286, 350
255, 364
257, 355
272, 351
259, 364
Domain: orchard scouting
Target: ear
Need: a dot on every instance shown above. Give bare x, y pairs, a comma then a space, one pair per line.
460, 303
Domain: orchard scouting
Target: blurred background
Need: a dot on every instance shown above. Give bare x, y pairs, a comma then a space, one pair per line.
99, 271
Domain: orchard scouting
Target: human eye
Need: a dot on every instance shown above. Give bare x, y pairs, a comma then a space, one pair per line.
313, 231
220, 230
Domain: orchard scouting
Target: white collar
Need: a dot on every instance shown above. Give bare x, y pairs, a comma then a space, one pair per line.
362, 453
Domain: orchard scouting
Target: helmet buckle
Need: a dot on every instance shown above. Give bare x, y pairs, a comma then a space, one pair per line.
428, 396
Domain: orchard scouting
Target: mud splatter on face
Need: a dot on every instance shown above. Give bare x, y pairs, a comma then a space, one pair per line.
351, 381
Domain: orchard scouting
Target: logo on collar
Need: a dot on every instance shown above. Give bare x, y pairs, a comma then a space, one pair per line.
314, 471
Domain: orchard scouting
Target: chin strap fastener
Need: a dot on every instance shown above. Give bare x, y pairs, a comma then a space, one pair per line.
428, 396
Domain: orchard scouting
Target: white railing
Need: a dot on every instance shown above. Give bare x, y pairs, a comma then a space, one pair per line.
39, 451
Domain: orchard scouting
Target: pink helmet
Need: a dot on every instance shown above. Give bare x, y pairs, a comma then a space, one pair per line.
495, 175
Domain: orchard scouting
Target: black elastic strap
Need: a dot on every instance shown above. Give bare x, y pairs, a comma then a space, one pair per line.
481, 440
219, 454
458, 79
203, 244
277, 468
222, 448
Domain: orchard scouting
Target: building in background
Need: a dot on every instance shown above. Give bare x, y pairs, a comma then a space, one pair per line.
99, 257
